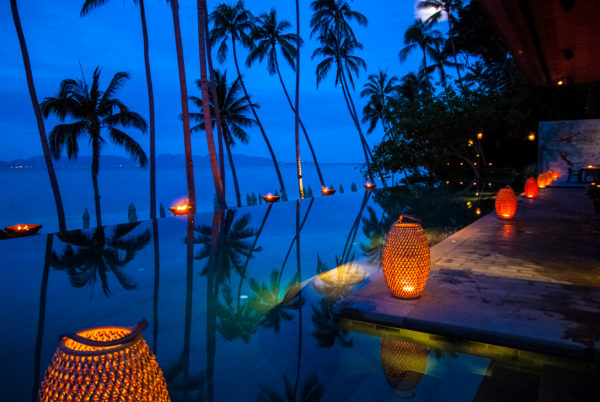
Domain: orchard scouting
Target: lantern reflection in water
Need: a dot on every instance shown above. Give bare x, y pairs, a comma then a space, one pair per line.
108, 363
406, 258
403, 364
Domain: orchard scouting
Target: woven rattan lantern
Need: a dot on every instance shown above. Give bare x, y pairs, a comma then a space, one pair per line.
104, 364
541, 180
403, 364
531, 188
406, 259
506, 203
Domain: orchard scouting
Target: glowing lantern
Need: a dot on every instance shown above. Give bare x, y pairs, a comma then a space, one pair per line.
478, 211
531, 137
403, 363
369, 186
506, 203
470, 143
327, 191
541, 180
531, 188
23, 229
182, 208
548, 178
479, 136
555, 175
406, 258
271, 198
102, 364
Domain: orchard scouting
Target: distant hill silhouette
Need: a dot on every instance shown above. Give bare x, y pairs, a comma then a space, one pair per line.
113, 161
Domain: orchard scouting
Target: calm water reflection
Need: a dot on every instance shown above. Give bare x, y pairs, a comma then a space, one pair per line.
239, 302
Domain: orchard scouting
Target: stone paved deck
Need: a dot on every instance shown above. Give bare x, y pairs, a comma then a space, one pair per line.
531, 283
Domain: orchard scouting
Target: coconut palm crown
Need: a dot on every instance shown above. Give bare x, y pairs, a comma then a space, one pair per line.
92, 112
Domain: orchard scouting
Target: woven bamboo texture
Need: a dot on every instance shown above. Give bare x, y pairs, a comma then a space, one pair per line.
123, 372
403, 363
506, 203
406, 259
531, 188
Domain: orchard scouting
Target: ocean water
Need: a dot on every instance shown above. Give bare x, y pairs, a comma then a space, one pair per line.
26, 195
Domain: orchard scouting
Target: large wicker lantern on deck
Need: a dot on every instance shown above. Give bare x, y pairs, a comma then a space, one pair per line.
506, 203
403, 364
406, 259
531, 188
104, 364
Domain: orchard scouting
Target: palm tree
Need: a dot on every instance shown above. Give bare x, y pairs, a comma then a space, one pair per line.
93, 112
440, 61
268, 35
86, 257
88, 6
331, 20
204, 49
379, 88
234, 111
412, 86
446, 7
297, 110
187, 142
339, 54
421, 35
60, 212
233, 23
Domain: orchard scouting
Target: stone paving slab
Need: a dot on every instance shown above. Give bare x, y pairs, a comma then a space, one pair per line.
531, 283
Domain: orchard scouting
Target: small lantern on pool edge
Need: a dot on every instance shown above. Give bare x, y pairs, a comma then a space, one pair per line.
506, 203
23, 229
531, 188
327, 191
369, 186
108, 363
271, 198
406, 258
182, 208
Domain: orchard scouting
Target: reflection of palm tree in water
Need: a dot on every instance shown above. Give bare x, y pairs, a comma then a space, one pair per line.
268, 300
41, 317
375, 229
87, 257
311, 391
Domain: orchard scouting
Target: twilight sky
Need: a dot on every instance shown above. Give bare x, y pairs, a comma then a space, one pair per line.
58, 40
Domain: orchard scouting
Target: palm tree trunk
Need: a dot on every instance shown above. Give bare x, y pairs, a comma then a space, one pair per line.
260, 126
213, 91
312, 151
60, 212
354, 119
95, 169
41, 318
348, 245
185, 116
287, 254
151, 114
296, 112
210, 141
233, 172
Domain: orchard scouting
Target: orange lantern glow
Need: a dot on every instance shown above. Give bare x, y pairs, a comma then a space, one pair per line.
506, 203
182, 208
479, 136
403, 363
104, 364
531, 188
531, 137
541, 180
406, 258
327, 191
555, 175
548, 178
478, 211
369, 186
23, 229
271, 198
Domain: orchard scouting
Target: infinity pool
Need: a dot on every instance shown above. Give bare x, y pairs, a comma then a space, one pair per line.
253, 320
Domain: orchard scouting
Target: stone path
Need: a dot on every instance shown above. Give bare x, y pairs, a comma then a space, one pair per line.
531, 283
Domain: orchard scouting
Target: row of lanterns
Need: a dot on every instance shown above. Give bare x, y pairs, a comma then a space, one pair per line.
406, 255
